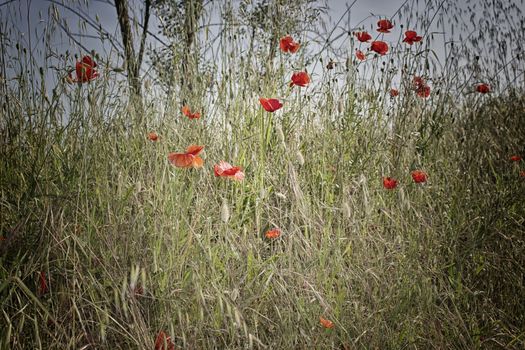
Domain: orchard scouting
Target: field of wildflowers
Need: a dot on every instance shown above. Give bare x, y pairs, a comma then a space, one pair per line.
359, 187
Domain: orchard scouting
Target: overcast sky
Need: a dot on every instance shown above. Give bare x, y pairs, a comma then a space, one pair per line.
31, 16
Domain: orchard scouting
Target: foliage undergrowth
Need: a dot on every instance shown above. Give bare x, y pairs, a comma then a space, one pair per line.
131, 245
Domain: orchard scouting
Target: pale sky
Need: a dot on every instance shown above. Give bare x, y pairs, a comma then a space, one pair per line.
31, 16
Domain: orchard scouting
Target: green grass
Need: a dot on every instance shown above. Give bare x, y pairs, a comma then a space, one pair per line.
87, 198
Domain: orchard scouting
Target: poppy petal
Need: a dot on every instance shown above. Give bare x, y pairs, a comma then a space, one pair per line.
181, 160
197, 162
270, 104
326, 323
380, 47
194, 149
273, 233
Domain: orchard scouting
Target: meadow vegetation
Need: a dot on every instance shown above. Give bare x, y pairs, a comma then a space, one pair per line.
105, 242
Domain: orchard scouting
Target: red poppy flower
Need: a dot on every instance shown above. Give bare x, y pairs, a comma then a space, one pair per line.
227, 170
163, 342
190, 159
153, 136
384, 26
389, 183
326, 323
394, 92
270, 104
421, 87
515, 158
273, 233
419, 176
363, 36
42, 283
418, 81
483, 88
411, 37
288, 45
360, 55
522, 173
300, 79
85, 70
186, 111
423, 91
379, 46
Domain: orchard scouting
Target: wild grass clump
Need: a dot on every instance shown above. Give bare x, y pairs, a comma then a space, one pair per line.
105, 243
